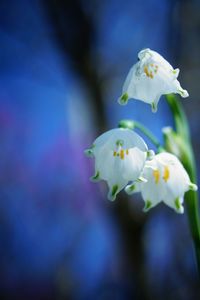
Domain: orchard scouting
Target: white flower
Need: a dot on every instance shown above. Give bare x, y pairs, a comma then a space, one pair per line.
120, 155
167, 181
151, 77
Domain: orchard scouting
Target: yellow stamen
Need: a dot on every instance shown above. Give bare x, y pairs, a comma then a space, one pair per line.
166, 174
127, 152
156, 175
114, 153
146, 71
122, 154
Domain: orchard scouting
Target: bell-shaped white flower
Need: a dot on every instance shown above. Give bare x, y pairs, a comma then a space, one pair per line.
151, 77
120, 155
167, 181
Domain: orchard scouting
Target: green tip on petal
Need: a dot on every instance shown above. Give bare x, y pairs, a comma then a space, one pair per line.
130, 189
179, 208
193, 187
150, 154
176, 72
89, 152
123, 100
154, 107
112, 193
96, 177
142, 179
183, 93
147, 206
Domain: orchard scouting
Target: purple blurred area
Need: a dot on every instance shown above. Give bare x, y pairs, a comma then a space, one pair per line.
62, 66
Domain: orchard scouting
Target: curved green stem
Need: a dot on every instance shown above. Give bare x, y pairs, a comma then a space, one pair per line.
135, 124
188, 160
180, 119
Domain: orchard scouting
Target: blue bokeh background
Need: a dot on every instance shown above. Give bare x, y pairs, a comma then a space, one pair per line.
62, 66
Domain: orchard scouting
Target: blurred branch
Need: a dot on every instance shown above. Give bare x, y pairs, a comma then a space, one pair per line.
74, 33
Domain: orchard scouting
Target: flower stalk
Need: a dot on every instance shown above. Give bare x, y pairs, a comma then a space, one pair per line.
191, 197
135, 124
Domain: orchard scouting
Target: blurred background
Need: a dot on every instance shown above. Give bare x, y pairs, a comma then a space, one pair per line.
62, 67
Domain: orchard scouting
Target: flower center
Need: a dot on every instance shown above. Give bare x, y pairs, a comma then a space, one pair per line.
166, 175
121, 153
150, 70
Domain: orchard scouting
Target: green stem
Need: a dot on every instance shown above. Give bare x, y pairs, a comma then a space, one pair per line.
179, 115
135, 124
191, 197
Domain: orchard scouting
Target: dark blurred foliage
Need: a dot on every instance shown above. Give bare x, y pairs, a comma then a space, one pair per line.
62, 66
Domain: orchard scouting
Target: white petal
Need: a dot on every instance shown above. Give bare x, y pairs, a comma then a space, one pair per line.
105, 138
133, 164
144, 89
177, 182
128, 169
179, 90
104, 163
155, 57
128, 137
151, 190
129, 79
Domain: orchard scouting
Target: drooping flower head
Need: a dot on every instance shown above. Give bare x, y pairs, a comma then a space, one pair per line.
151, 77
167, 181
120, 155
